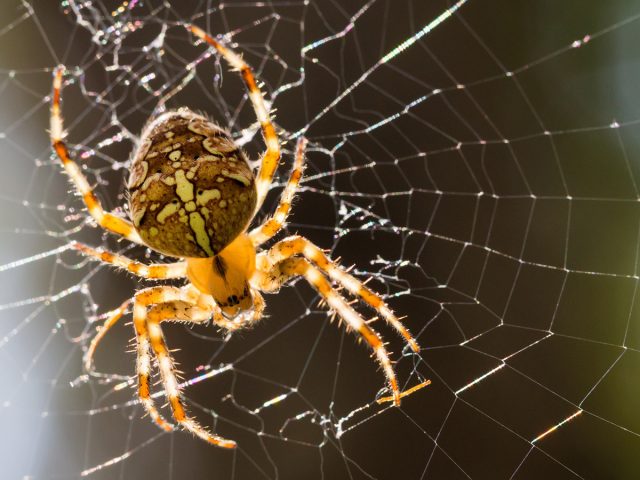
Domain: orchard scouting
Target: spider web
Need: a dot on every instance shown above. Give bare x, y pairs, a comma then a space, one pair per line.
476, 160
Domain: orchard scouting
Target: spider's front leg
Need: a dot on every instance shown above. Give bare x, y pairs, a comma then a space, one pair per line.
297, 245
112, 318
270, 277
159, 271
152, 306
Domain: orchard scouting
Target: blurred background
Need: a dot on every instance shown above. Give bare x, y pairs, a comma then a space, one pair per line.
481, 167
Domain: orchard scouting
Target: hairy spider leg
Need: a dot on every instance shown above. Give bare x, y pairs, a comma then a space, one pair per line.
271, 157
154, 271
151, 319
284, 270
151, 307
275, 222
296, 245
144, 298
405, 393
112, 318
106, 220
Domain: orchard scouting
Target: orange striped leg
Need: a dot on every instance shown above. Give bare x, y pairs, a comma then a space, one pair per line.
271, 157
149, 296
153, 271
272, 225
170, 311
156, 298
296, 245
279, 273
111, 320
106, 220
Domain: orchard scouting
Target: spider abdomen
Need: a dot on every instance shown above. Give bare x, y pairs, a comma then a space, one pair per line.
192, 190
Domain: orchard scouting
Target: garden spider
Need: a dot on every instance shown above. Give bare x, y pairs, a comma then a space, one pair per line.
193, 196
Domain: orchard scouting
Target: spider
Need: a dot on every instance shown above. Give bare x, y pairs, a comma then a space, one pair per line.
193, 195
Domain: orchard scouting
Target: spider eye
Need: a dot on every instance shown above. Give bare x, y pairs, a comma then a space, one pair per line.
233, 300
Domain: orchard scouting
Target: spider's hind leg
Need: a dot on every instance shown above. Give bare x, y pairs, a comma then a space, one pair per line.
271, 156
106, 220
275, 222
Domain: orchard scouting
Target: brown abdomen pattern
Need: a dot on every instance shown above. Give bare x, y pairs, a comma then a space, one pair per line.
192, 190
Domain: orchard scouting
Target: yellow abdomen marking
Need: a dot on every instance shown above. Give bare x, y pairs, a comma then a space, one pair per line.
185, 201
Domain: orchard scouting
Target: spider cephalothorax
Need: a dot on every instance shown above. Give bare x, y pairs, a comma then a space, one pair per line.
192, 190
193, 196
